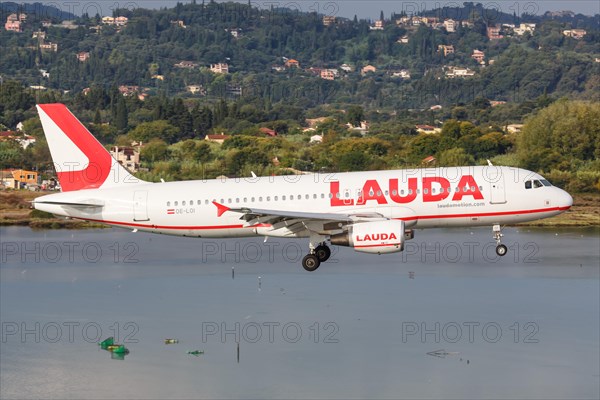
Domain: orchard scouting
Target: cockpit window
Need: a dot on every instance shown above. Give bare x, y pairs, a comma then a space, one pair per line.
545, 182
528, 185
537, 184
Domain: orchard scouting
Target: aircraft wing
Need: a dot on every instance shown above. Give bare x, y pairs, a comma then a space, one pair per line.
281, 218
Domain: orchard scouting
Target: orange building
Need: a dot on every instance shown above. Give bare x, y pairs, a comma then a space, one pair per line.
20, 178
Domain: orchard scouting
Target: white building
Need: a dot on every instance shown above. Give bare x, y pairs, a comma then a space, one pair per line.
220, 68
450, 25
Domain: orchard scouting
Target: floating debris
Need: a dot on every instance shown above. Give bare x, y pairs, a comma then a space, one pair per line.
107, 342
171, 341
411, 274
117, 356
195, 352
118, 351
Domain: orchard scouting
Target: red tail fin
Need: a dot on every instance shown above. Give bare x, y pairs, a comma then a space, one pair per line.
81, 162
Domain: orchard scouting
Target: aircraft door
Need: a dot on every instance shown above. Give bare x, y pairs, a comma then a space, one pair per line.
140, 205
495, 177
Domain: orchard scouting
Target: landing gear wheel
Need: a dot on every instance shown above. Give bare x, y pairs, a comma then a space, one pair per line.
501, 250
310, 262
323, 253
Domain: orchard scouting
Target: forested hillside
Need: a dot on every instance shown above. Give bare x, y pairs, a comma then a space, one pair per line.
253, 42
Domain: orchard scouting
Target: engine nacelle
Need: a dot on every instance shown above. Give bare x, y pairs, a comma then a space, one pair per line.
379, 237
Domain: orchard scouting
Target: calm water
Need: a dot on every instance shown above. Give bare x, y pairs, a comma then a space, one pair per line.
525, 326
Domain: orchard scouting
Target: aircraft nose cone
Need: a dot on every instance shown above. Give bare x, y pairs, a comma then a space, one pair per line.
566, 200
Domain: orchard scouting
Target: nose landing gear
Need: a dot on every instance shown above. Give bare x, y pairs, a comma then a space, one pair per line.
501, 249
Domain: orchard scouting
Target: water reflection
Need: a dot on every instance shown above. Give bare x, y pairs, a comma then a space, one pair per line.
360, 327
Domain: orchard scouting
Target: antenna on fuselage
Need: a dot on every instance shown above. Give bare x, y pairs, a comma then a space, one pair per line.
490, 163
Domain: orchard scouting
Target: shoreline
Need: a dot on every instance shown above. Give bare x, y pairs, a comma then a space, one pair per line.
15, 211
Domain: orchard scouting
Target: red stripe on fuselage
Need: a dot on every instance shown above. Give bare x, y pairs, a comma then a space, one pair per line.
100, 161
378, 245
239, 226
490, 214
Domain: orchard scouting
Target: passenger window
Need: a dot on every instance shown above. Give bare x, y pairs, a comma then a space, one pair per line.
229, 201
252, 200
283, 197
426, 191
168, 204
260, 198
237, 199
183, 203
245, 199
394, 192
307, 197
330, 196
322, 195
275, 199
314, 196
528, 185
268, 198
176, 204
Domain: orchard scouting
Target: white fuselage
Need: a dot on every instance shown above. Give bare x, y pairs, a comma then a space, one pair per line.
423, 198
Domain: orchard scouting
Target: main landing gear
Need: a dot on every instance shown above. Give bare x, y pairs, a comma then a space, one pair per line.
501, 249
319, 254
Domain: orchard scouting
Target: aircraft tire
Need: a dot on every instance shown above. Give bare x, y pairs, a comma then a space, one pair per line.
310, 262
501, 250
323, 253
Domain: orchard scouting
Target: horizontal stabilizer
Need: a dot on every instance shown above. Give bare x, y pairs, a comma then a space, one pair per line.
90, 204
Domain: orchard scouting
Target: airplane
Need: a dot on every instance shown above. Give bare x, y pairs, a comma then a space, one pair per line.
372, 212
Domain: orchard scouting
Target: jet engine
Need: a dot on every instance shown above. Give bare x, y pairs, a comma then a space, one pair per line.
378, 237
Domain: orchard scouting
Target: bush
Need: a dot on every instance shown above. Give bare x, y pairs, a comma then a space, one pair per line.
40, 214
584, 182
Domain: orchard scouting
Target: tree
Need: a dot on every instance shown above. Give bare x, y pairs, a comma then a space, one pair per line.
155, 150
564, 131
355, 115
455, 157
121, 114
160, 129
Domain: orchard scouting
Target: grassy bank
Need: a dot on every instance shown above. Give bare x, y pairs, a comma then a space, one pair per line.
15, 210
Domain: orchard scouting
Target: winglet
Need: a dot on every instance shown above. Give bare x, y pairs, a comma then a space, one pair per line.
221, 209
